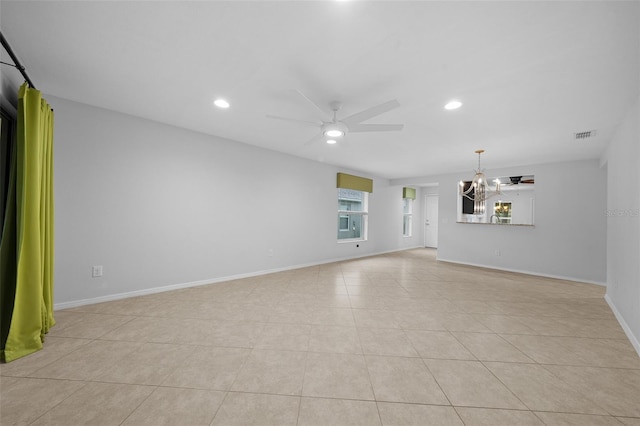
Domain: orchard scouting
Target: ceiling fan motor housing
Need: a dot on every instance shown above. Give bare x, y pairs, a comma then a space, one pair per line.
335, 126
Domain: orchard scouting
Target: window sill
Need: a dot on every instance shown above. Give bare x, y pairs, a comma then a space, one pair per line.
351, 241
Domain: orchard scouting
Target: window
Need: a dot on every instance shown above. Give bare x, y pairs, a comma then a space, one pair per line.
501, 212
407, 217
408, 196
352, 214
467, 202
344, 223
353, 207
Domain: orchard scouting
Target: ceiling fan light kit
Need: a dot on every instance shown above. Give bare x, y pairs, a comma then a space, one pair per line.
335, 129
221, 103
453, 105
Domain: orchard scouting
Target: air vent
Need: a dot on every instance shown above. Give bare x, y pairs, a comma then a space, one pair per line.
584, 135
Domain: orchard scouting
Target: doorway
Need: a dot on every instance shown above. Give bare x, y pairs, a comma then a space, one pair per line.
431, 220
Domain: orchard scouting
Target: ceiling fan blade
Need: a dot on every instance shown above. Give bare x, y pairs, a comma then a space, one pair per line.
295, 120
316, 138
376, 127
370, 113
324, 113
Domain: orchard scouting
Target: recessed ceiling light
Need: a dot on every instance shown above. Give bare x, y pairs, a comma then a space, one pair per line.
221, 103
331, 141
334, 133
453, 105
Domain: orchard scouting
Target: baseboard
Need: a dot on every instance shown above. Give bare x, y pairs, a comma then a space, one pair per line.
627, 330
118, 296
171, 287
520, 271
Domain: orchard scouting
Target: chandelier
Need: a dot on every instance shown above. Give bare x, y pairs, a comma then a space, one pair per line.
479, 190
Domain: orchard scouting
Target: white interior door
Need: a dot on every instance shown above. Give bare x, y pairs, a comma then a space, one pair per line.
431, 220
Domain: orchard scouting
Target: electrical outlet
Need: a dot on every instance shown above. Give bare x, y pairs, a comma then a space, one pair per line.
497, 252
96, 271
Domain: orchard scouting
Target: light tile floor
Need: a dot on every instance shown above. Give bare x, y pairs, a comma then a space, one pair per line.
399, 339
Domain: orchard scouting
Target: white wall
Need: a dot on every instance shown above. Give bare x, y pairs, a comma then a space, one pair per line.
161, 206
569, 236
521, 201
623, 225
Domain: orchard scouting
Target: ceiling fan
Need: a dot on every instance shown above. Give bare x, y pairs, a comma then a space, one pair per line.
516, 180
333, 130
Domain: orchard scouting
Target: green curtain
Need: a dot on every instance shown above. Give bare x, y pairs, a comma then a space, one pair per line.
26, 251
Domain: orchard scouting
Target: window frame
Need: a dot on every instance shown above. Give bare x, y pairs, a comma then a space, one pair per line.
407, 217
364, 221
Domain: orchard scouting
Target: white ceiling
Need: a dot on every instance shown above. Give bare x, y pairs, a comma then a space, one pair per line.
530, 74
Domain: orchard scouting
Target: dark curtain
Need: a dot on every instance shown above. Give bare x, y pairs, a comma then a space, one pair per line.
7, 198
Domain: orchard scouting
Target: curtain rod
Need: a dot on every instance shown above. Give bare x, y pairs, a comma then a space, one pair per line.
16, 62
